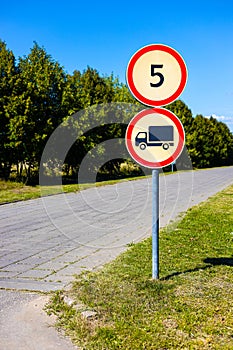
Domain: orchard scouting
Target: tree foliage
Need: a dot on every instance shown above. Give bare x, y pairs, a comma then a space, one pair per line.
210, 143
36, 95
8, 72
35, 108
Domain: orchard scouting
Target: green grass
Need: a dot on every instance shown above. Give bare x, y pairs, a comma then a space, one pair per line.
190, 307
13, 191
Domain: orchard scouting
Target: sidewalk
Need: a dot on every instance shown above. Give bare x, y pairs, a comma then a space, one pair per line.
24, 325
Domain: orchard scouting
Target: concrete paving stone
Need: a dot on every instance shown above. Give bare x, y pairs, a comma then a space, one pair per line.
7, 257
32, 285
4, 252
70, 259
8, 274
57, 235
88, 238
60, 278
46, 257
108, 240
17, 247
76, 254
69, 244
101, 257
51, 241
34, 241
34, 260
75, 268
45, 252
20, 253
21, 228
122, 240
87, 263
16, 268
8, 262
67, 274
52, 250
58, 249
35, 273
53, 265
36, 225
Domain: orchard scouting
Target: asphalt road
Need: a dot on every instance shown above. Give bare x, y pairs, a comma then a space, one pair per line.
47, 240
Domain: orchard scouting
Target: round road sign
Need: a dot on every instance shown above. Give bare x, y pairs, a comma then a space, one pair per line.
156, 75
155, 137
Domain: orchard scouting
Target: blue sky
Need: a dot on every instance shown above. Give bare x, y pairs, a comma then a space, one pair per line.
104, 35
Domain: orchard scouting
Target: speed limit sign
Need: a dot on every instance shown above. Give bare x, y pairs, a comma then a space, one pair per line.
156, 75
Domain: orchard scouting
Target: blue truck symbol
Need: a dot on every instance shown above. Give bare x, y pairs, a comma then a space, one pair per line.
156, 136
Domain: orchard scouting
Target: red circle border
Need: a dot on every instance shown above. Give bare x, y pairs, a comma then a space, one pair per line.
179, 147
129, 75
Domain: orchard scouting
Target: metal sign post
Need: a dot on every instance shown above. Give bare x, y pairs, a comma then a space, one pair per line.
156, 76
155, 224
155, 138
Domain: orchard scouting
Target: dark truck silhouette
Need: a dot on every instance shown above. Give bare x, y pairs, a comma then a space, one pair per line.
156, 136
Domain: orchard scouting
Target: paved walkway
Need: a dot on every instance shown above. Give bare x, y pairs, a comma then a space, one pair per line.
44, 242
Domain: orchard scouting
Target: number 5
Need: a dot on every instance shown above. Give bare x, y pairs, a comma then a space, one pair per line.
158, 74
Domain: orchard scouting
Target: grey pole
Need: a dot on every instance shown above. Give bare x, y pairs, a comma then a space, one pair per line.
155, 223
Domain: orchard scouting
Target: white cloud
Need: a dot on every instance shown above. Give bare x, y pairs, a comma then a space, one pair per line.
221, 117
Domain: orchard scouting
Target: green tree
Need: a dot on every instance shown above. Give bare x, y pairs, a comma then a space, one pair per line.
87, 89
222, 143
121, 92
181, 110
211, 143
8, 72
36, 105
82, 91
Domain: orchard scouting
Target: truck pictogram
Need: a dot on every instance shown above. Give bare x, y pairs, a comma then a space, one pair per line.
156, 136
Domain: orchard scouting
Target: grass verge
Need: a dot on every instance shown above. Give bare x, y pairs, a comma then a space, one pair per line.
190, 307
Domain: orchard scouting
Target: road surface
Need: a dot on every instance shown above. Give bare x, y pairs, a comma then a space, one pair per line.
45, 241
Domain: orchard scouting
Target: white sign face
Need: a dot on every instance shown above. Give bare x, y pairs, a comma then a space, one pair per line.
156, 75
155, 138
